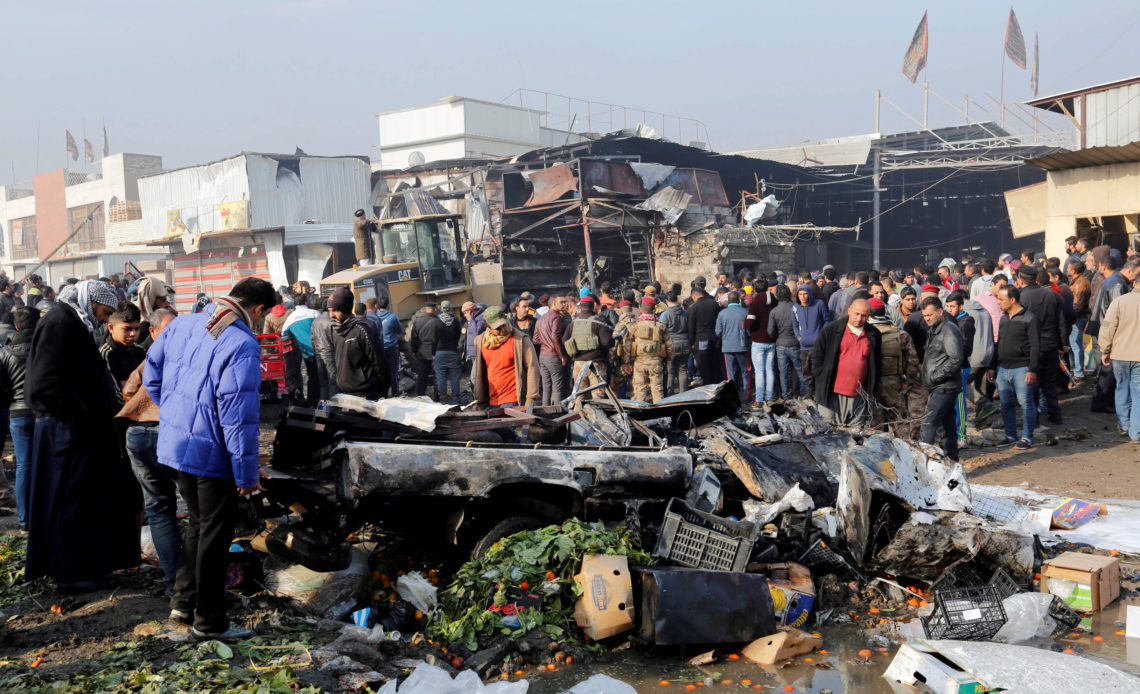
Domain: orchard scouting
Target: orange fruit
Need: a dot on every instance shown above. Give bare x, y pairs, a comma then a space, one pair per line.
1098, 639
865, 653
873, 610
733, 656
664, 683
690, 687
822, 652
789, 688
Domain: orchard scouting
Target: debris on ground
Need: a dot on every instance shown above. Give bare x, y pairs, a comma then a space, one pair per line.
436, 549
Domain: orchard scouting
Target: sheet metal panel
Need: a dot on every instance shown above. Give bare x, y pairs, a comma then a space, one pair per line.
1112, 117
298, 190
195, 192
318, 233
610, 175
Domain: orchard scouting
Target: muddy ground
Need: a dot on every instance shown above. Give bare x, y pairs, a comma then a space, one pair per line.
1105, 466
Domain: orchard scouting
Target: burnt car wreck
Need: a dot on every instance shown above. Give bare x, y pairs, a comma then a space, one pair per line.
782, 485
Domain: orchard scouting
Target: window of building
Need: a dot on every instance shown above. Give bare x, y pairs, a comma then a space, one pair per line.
86, 227
23, 238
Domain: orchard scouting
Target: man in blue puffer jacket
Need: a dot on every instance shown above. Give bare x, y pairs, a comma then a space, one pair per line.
204, 373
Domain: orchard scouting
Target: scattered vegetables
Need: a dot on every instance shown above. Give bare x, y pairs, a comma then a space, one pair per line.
526, 560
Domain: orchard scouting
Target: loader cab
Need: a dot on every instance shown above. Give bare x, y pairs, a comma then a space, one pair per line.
432, 243
413, 260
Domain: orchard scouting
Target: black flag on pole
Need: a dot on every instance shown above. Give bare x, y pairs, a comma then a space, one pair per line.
1014, 41
915, 59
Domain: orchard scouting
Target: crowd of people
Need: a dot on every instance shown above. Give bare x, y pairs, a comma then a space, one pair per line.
117, 406
921, 351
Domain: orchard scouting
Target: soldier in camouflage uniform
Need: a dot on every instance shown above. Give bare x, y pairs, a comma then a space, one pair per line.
646, 347
901, 398
622, 367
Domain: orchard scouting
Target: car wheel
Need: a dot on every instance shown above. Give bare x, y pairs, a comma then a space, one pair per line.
502, 528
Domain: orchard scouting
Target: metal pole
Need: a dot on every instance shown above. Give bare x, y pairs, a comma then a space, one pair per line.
875, 210
925, 103
1001, 94
589, 251
966, 108
878, 104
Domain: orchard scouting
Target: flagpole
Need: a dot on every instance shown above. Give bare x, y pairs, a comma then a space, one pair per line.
1001, 94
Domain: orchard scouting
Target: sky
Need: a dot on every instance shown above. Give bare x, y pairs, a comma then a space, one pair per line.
199, 81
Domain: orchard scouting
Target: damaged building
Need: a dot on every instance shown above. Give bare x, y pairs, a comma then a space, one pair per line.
613, 209
941, 192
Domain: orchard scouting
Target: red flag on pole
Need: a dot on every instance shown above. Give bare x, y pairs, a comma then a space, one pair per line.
72, 148
1033, 76
915, 59
1014, 41
88, 150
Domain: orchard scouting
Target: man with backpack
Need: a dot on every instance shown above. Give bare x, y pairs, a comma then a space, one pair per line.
647, 343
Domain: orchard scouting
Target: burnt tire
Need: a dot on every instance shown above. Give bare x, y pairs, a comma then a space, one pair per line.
502, 528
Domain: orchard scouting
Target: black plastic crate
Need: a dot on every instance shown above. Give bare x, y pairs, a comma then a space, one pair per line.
821, 557
701, 540
936, 626
958, 575
972, 613
1065, 616
1004, 585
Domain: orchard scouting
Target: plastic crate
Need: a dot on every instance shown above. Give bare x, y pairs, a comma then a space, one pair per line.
1065, 616
703, 541
958, 575
1004, 585
974, 613
820, 556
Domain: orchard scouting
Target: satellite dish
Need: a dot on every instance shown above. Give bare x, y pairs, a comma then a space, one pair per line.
416, 158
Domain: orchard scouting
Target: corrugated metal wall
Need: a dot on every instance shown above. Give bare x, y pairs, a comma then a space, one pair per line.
214, 272
196, 192
324, 190
1112, 117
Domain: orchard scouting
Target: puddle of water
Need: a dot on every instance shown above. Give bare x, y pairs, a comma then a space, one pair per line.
847, 672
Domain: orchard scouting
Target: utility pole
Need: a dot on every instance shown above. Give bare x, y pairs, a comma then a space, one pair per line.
877, 203
875, 179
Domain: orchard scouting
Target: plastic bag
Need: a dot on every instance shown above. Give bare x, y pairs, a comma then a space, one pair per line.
428, 679
1027, 616
602, 684
331, 595
414, 588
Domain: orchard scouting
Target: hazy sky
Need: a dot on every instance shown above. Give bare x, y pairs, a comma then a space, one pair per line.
199, 81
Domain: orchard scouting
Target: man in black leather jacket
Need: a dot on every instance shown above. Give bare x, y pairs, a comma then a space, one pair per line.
21, 420
942, 376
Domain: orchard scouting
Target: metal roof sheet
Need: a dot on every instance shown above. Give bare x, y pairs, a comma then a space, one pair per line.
1093, 156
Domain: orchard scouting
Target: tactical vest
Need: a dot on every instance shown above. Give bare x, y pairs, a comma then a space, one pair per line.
648, 339
892, 351
582, 337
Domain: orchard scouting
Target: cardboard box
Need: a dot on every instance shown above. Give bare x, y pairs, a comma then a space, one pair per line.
793, 593
916, 664
784, 644
606, 605
1097, 579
